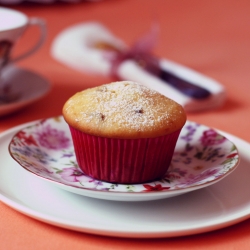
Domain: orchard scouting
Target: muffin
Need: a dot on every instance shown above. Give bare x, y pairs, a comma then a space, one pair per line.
123, 132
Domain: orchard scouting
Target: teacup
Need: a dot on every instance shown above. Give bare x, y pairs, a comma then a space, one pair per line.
12, 26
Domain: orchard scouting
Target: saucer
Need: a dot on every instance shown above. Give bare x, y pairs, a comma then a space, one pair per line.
27, 85
202, 157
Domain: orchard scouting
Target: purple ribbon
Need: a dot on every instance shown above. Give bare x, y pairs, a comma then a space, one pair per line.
141, 52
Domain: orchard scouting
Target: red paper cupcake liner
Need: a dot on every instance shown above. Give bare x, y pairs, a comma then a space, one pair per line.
127, 161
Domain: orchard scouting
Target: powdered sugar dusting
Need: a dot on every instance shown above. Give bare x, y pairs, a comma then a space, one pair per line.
122, 105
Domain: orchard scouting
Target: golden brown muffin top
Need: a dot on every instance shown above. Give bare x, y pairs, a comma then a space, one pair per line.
124, 110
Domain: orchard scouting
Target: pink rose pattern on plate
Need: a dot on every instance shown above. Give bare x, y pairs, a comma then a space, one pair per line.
202, 155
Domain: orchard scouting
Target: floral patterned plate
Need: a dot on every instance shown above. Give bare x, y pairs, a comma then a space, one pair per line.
201, 158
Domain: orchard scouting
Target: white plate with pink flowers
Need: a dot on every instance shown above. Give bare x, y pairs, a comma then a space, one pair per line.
202, 157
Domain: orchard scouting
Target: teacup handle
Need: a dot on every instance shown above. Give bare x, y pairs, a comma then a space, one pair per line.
43, 31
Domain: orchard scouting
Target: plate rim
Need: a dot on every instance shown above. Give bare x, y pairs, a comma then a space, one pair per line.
126, 196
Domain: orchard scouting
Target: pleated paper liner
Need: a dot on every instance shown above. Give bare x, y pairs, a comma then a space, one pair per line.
127, 161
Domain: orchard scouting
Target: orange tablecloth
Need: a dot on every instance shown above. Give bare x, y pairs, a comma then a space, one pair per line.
212, 37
